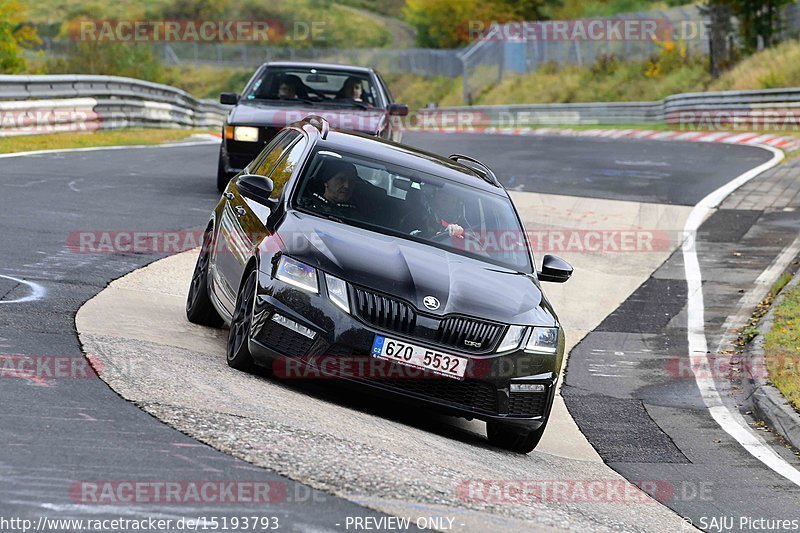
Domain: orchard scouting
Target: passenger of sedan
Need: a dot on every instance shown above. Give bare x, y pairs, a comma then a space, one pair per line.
441, 213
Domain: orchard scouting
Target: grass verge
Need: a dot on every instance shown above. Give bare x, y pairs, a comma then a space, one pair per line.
55, 141
782, 347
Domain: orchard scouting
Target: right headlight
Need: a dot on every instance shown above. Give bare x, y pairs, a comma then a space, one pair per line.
543, 340
297, 274
512, 338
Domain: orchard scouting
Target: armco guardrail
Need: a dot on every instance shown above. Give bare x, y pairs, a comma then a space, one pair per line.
764, 109
44, 104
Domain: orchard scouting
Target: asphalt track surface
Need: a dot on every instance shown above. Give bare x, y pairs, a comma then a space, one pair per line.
80, 430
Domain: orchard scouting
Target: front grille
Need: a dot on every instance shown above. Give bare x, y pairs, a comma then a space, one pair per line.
468, 334
526, 404
463, 333
283, 340
384, 312
472, 394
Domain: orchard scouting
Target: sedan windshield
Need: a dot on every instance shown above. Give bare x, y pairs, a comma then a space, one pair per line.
359, 191
315, 87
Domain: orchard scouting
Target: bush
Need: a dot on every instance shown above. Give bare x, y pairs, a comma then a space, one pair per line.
15, 35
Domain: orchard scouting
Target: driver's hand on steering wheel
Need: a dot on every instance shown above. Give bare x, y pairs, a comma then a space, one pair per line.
454, 230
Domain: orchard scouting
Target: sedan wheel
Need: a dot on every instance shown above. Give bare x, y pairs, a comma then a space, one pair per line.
199, 308
238, 350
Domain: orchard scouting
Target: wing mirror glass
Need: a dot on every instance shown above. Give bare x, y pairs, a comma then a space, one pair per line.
229, 98
255, 187
554, 269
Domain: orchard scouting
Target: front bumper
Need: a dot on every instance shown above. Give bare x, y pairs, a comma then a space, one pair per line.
341, 347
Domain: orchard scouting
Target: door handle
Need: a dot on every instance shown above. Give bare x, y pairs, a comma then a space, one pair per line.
228, 195
241, 211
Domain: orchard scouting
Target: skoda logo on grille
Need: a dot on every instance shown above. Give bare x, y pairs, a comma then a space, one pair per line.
431, 302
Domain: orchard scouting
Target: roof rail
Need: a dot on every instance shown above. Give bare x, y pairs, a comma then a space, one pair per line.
483, 171
320, 123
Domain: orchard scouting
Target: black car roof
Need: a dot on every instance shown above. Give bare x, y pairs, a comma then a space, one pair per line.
326, 66
406, 156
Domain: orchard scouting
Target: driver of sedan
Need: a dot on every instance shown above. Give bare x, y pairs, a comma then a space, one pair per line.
338, 182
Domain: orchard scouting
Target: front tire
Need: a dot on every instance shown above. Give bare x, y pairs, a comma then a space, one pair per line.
199, 309
223, 178
238, 352
512, 438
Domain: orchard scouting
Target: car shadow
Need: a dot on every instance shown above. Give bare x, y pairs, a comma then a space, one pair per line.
362, 399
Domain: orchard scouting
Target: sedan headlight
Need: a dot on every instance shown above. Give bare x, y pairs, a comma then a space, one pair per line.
245, 133
543, 340
512, 338
297, 274
337, 292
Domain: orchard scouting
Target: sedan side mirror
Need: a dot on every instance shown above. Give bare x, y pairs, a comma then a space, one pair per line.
399, 110
554, 269
255, 187
229, 98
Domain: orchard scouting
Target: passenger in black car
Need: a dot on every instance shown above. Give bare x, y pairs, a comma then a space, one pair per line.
438, 212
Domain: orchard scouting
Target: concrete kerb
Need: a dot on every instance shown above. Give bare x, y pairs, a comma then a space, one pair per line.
768, 402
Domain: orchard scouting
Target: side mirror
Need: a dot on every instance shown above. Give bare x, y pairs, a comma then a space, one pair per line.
229, 98
554, 269
399, 110
255, 187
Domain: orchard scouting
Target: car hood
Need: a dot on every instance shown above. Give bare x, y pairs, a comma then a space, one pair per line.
263, 114
412, 271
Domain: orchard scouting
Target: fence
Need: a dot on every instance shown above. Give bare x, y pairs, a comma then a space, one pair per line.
45, 104
761, 109
42, 104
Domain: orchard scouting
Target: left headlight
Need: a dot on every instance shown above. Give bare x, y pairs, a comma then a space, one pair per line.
543, 340
297, 274
245, 134
337, 292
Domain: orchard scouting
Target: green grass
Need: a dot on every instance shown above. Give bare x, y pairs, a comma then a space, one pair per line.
54, 141
782, 347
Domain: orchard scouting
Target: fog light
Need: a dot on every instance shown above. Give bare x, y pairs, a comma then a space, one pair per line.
527, 387
294, 326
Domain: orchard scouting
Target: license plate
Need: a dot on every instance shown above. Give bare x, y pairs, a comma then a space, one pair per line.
415, 356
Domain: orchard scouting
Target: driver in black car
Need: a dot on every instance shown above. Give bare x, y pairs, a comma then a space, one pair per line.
338, 183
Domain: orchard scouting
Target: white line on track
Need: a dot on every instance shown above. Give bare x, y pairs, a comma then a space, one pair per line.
103, 148
728, 419
37, 291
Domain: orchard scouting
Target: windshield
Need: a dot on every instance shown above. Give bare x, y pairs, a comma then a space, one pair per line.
315, 87
359, 191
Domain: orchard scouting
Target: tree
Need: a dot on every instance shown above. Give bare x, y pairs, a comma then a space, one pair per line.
15, 35
759, 20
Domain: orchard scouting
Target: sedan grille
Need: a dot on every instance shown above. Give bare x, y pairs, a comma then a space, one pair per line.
390, 314
384, 312
526, 404
472, 394
468, 334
